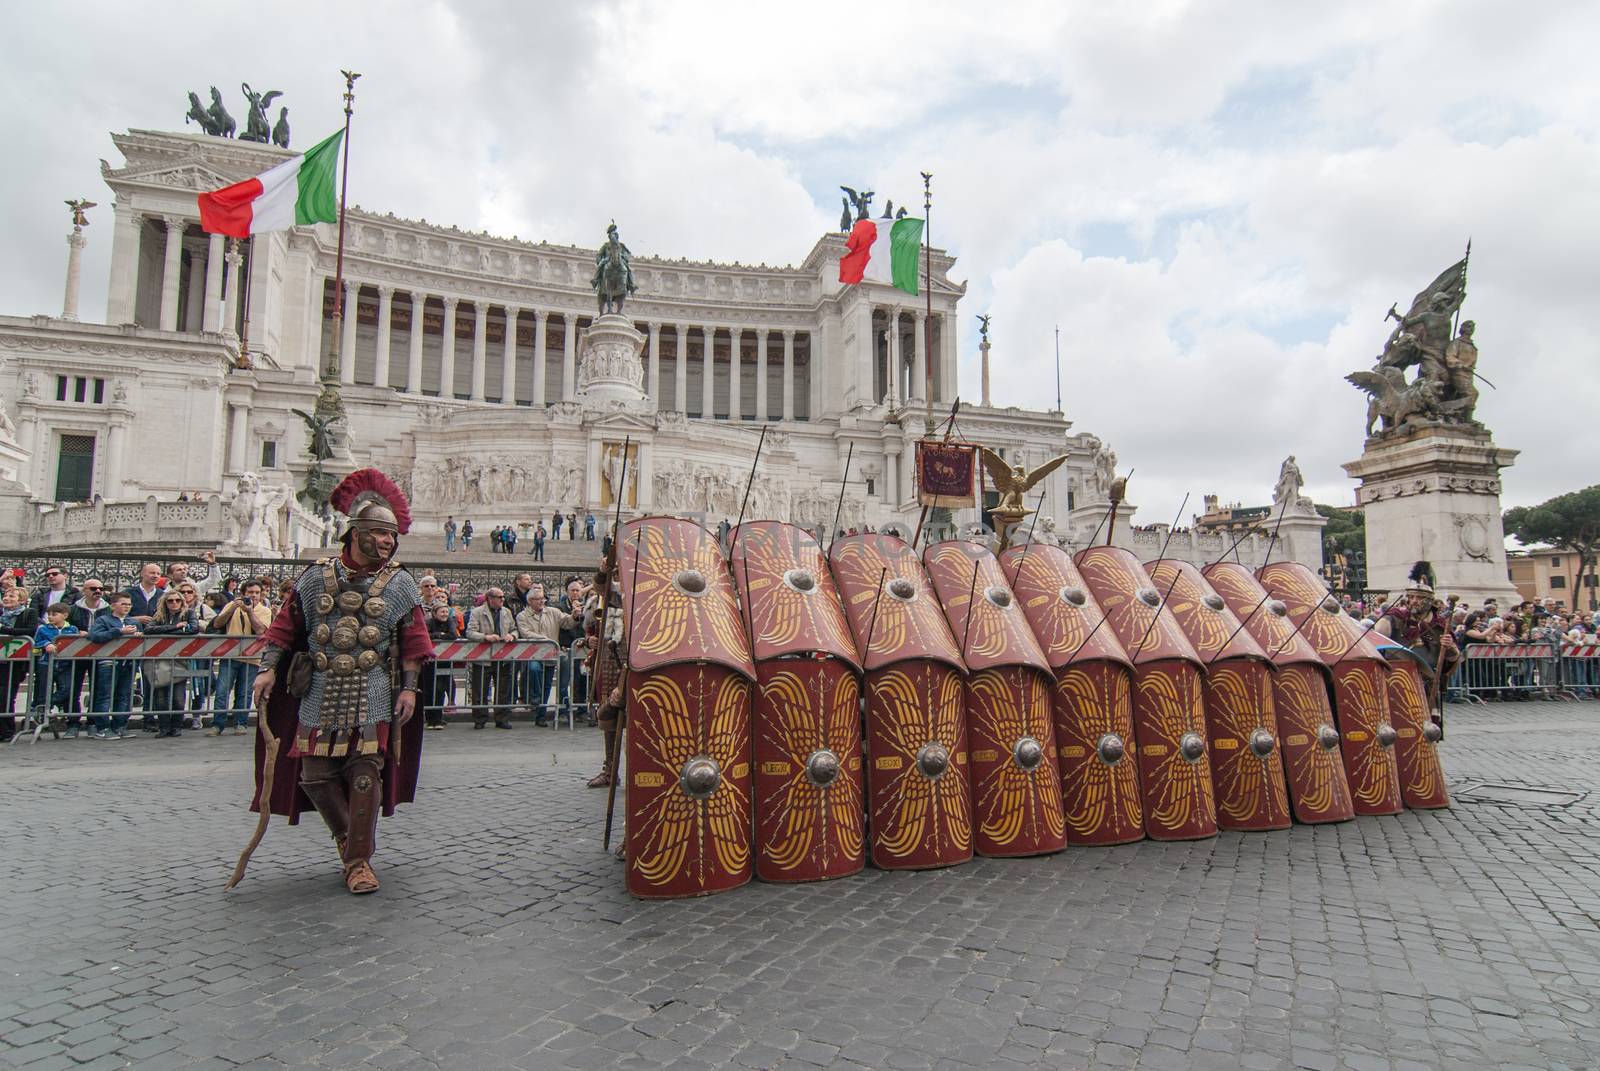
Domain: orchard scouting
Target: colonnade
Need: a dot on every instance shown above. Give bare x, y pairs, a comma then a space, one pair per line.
766, 341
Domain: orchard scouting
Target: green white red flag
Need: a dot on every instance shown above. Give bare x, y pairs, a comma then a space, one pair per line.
883, 251
293, 194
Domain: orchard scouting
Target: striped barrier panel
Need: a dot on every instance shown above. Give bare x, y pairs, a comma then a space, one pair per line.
195, 646
499, 651
1580, 669
1511, 670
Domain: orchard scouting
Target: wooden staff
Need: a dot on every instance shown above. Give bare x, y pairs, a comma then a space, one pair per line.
615, 759
264, 797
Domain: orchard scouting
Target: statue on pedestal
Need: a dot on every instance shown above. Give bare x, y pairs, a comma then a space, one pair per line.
613, 273
1442, 391
1012, 481
256, 126
214, 120
1286, 496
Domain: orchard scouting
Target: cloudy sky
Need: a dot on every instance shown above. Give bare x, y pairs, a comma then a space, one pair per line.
1215, 202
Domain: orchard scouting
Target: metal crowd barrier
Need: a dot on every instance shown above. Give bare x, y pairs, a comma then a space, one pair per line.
105, 687
1511, 671
501, 679
1580, 669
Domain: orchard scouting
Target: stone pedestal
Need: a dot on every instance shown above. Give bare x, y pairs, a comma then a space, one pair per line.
610, 373
1434, 492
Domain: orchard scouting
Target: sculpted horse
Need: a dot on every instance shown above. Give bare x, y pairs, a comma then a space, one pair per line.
198, 114
613, 274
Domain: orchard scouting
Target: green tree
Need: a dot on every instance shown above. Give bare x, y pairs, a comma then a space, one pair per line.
1569, 522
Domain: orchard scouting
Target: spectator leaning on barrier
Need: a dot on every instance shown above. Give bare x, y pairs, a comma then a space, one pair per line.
165, 698
17, 618
433, 685
113, 677
51, 680
569, 683
244, 616
540, 621
491, 684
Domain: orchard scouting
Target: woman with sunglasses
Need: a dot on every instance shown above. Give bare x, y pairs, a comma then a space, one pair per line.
173, 617
200, 668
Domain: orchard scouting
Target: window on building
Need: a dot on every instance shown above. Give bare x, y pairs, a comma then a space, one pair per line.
872, 486
269, 455
81, 389
1555, 561
75, 469
1558, 582
1589, 580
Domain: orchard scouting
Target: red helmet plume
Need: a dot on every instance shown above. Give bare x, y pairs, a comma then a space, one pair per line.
368, 490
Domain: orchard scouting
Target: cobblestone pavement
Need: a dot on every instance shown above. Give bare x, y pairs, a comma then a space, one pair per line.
502, 937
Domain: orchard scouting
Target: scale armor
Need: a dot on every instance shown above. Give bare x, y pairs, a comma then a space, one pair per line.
352, 625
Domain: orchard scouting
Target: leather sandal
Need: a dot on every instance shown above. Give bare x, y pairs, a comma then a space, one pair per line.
359, 878
601, 779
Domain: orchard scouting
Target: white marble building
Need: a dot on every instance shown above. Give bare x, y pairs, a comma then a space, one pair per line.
465, 373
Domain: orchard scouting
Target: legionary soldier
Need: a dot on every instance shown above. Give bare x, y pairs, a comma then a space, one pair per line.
1416, 622
339, 679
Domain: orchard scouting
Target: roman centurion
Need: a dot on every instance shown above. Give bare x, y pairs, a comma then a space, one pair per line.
339, 681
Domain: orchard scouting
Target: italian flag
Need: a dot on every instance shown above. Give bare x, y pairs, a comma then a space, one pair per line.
296, 192
883, 251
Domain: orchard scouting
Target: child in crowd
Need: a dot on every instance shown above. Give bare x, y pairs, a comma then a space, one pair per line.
113, 677
52, 680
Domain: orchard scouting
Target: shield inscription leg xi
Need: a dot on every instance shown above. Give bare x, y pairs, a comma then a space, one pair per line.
808, 778
1318, 786
1416, 745
690, 677
1093, 707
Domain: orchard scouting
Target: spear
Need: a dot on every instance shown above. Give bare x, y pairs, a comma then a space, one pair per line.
971, 593
1264, 598
1163, 603
844, 482
616, 741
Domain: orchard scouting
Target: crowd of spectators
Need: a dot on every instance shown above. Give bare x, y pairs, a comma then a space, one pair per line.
98, 697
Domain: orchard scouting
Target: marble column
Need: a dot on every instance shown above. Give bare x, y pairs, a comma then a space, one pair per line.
540, 321
680, 370
380, 365
447, 351
122, 290
508, 360
193, 308
480, 346
215, 251
347, 344
761, 374
230, 302
419, 309
652, 381
708, 365
69, 300
735, 360
236, 436
891, 361
116, 452
919, 347
949, 379
569, 357
788, 373
891, 477
169, 273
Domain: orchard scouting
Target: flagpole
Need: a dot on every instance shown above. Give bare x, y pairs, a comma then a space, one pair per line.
244, 329
1058, 368
330, 369
927, 320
